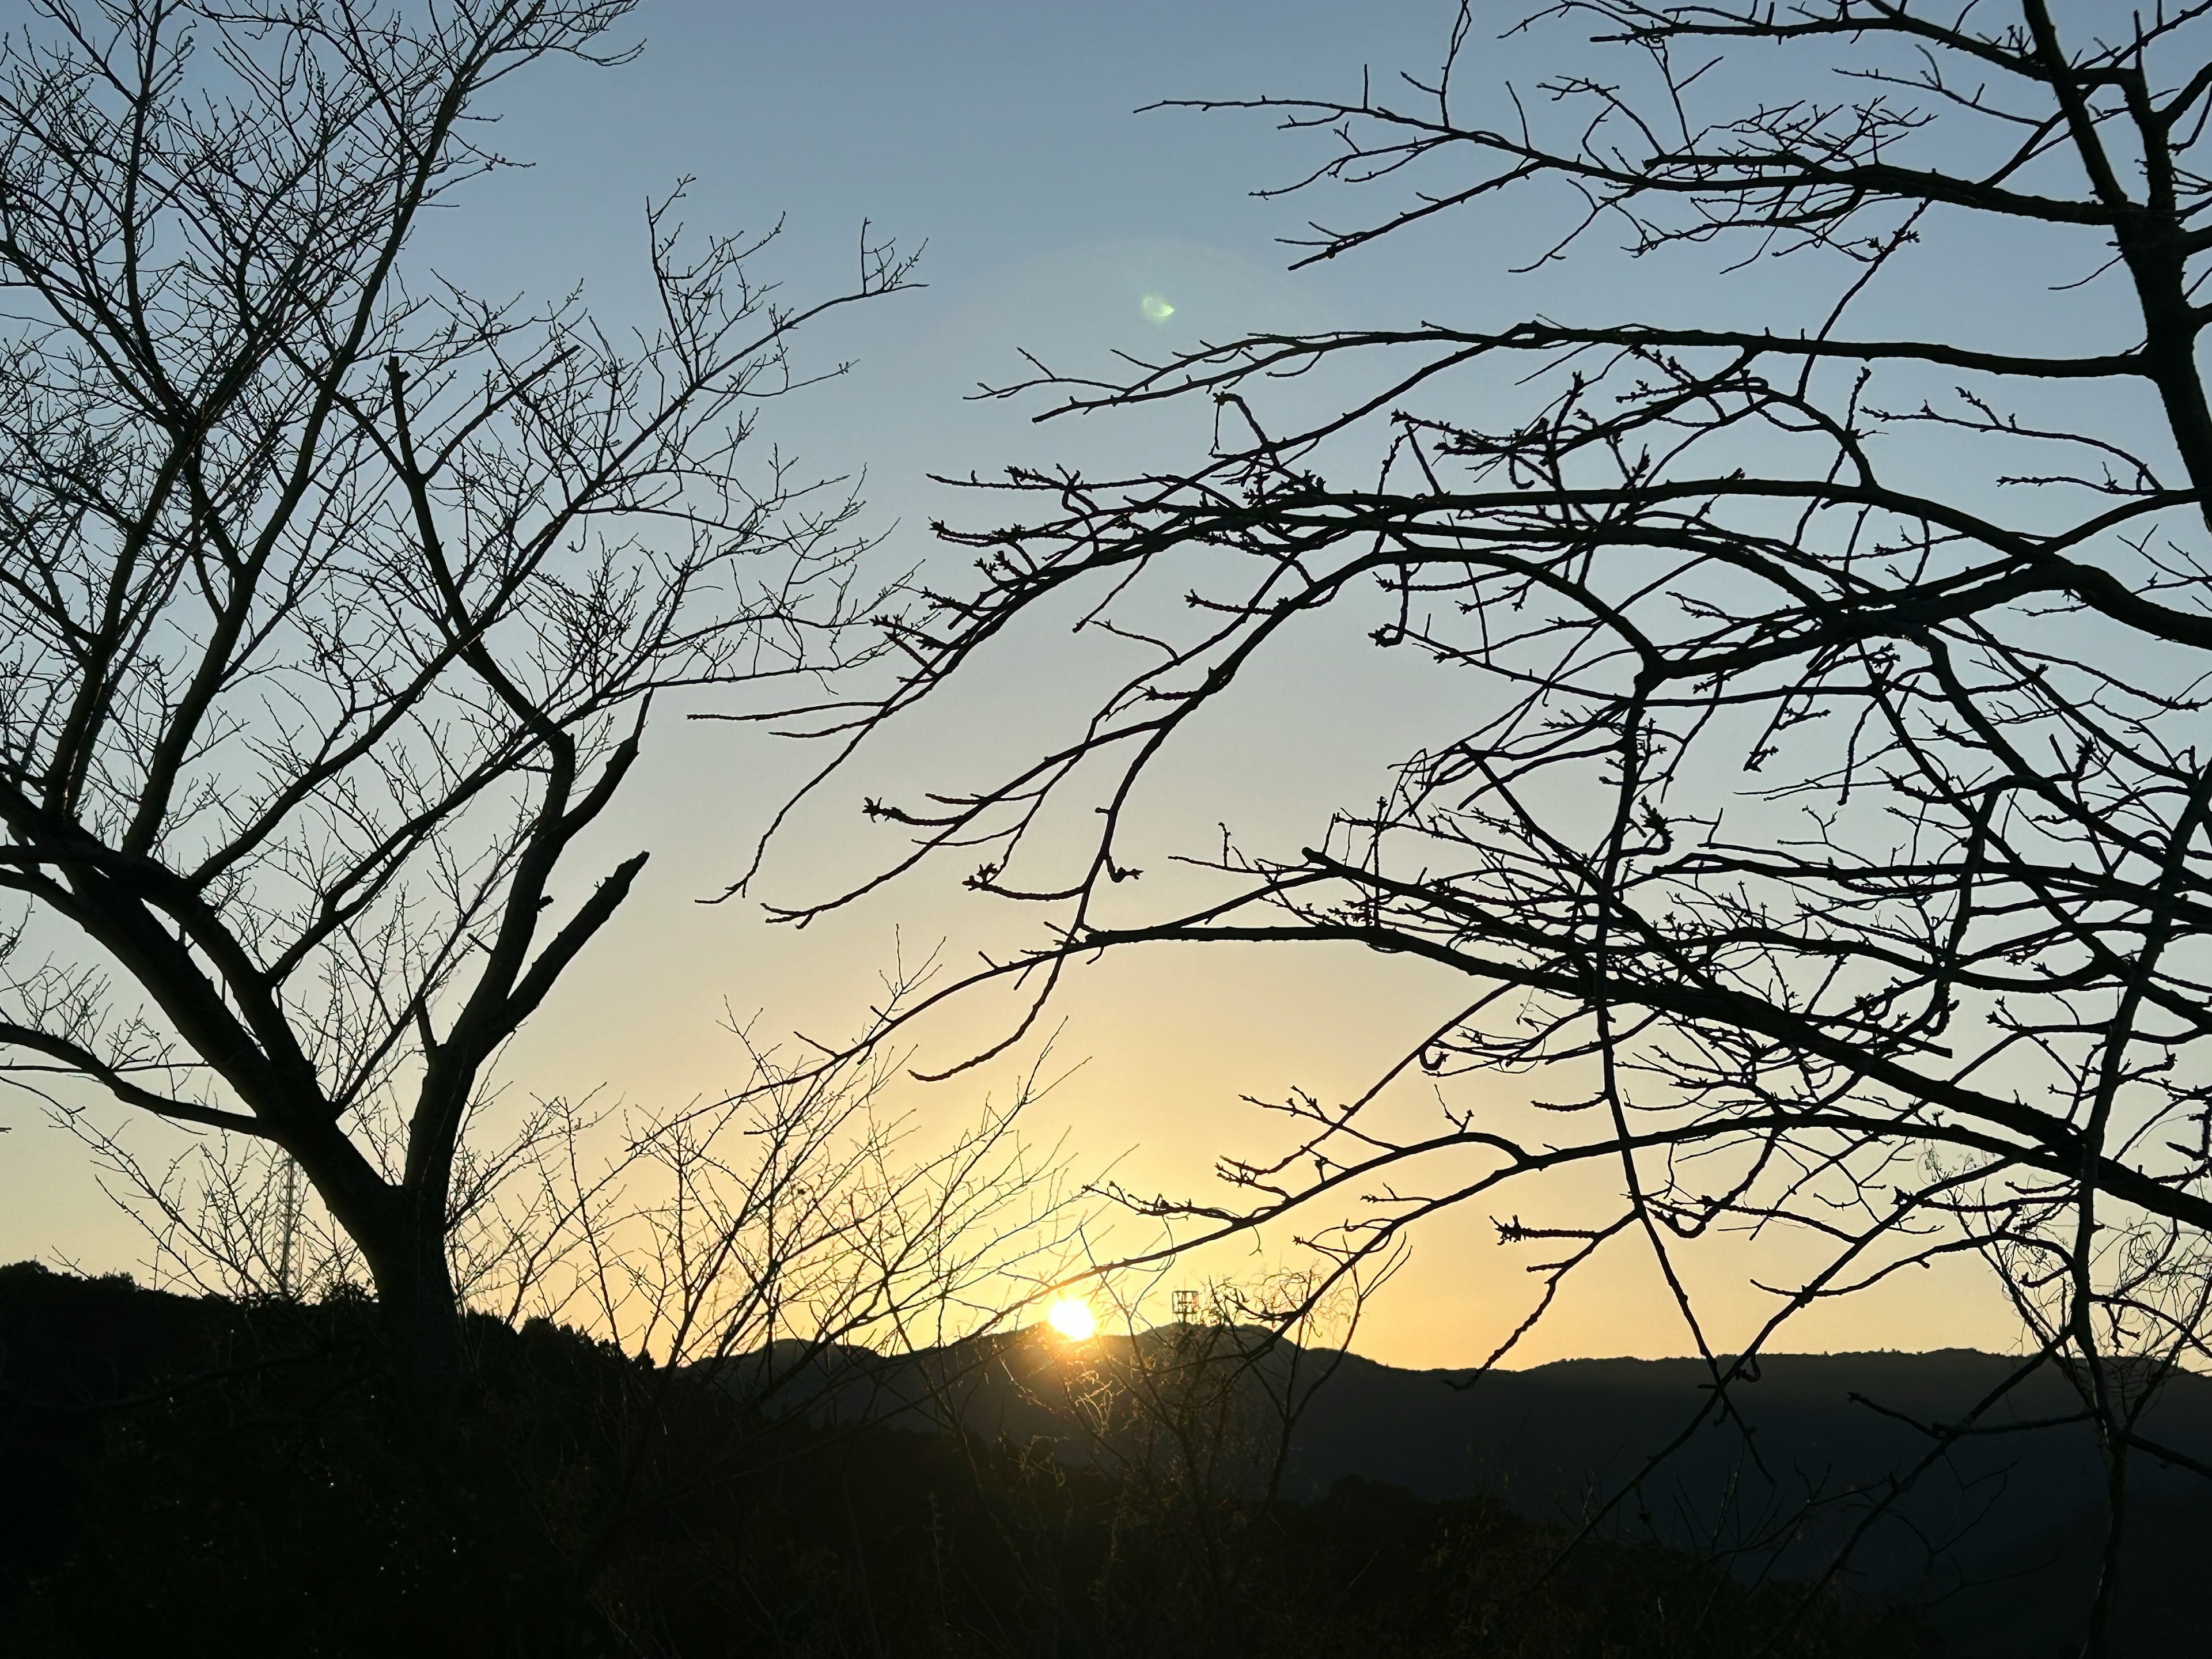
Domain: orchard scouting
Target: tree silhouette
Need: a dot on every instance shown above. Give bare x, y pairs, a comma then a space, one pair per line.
1812, 795
335, 596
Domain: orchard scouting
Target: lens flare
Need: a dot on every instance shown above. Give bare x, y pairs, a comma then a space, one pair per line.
1072, 1319
1156, 309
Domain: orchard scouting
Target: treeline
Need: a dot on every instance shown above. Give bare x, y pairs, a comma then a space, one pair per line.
194, 1477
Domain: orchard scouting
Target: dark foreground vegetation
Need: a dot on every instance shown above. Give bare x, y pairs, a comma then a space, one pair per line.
193, 1477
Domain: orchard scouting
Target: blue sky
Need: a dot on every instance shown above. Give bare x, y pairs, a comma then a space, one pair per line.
1003, 135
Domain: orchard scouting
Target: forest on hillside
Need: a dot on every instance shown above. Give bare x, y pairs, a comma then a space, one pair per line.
234, 1467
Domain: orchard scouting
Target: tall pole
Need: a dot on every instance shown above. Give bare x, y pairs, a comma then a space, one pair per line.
291, 1226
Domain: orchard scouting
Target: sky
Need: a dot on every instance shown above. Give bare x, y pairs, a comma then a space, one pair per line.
1003, 136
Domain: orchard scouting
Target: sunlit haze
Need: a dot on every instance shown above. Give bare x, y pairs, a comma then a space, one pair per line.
1072, 1320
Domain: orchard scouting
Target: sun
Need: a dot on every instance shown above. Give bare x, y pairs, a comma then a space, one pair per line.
1072, 1319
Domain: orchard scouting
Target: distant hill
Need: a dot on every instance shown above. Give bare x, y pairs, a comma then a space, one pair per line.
1997, 1538
134, 1424
201, 1478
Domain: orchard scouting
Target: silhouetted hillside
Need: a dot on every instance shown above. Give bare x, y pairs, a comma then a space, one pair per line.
1996, 1538
164, 1440
189, 1477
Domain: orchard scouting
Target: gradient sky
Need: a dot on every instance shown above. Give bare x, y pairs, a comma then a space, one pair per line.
1002, 134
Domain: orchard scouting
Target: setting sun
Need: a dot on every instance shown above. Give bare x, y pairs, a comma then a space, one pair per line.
1072, 1319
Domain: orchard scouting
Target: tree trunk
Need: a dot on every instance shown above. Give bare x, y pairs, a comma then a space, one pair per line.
446, 1425
421, 1316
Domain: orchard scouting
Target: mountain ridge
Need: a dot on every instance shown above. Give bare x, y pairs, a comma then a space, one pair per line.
1994, 1534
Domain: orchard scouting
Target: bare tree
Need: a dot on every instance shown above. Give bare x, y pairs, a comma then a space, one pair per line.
744, 1239
335, 596
1812, 795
